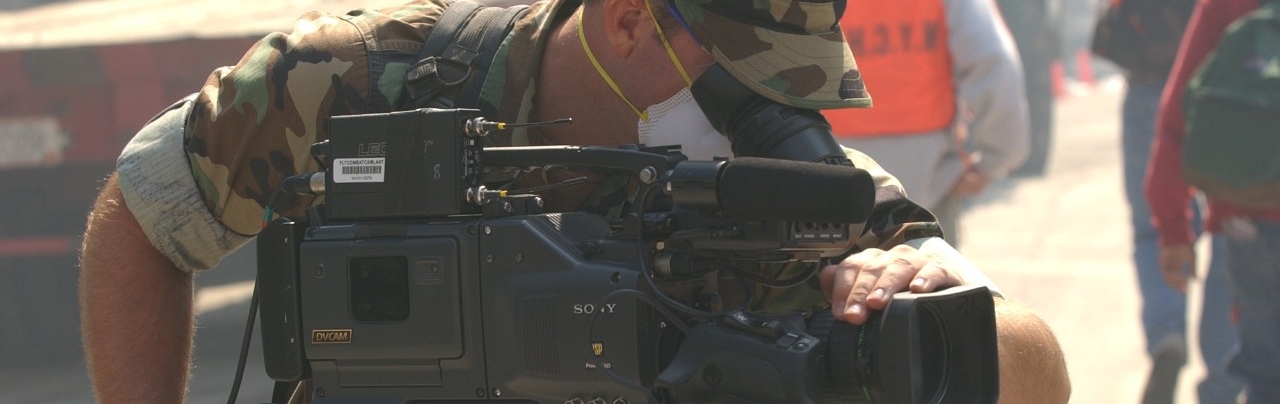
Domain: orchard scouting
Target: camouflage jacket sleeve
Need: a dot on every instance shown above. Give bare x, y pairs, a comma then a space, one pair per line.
254, 122
895, 219
155, 179
252, 125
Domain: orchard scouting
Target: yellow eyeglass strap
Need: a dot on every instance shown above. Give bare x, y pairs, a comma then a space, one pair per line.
600, 69
670, 52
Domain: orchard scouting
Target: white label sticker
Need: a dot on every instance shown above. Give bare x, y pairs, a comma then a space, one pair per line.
31, 142
358, 170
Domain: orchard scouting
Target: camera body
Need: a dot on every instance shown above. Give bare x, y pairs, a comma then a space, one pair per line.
414, 287
469, 309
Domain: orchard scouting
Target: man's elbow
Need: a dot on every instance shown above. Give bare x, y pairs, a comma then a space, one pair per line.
1033, 368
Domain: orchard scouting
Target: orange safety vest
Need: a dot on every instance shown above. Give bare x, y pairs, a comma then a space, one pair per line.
902, 51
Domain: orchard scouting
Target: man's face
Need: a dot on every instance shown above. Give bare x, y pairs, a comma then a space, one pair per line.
664, 77
643, 62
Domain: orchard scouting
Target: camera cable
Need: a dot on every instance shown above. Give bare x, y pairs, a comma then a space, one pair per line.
644, 297
660, 301
244, 345
253, 311
647, 272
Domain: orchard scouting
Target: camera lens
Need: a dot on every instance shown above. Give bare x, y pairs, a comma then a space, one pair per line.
933, 354
849, 354
858, 359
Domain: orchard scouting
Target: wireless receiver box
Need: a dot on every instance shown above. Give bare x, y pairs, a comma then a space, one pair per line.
403, 164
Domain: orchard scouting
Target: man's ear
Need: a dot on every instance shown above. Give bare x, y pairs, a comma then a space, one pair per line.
623, 22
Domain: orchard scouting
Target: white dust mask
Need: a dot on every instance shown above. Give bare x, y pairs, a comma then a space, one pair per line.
679, 121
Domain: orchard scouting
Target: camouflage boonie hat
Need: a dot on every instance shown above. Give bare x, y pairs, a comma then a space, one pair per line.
789, 51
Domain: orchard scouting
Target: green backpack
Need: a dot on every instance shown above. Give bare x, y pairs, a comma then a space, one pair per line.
1232, 105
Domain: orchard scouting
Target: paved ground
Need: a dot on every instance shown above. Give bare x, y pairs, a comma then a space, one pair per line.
1058, 243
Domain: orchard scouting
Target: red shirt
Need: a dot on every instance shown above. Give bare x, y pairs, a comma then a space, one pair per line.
1166, 192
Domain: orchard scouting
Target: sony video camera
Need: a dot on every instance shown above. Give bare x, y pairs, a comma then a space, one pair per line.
421, 279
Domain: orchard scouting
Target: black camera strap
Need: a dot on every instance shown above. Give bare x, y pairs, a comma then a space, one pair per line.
462, 44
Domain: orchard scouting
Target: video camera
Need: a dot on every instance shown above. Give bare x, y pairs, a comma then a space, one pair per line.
415, 282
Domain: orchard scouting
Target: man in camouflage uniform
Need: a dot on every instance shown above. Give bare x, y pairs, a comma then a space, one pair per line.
193, 184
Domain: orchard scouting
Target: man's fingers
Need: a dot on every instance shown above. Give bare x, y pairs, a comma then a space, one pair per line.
867, 280
897, 273
840, 283
866, 277
933, 277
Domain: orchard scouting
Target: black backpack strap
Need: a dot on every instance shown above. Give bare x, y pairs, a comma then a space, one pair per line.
462, 42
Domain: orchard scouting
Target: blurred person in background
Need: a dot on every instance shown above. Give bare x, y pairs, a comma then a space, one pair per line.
1251, 235
1141, 37
1036, 28
950, 113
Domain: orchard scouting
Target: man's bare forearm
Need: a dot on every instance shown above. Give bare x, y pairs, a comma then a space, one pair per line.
136, 310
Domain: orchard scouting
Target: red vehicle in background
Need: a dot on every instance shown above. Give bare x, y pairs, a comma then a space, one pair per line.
65, 114
77, 80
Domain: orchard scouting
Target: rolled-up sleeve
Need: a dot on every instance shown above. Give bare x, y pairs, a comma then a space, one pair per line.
155, 178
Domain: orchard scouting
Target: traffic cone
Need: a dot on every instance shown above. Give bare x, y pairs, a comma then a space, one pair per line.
1057, 79
1084, 67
